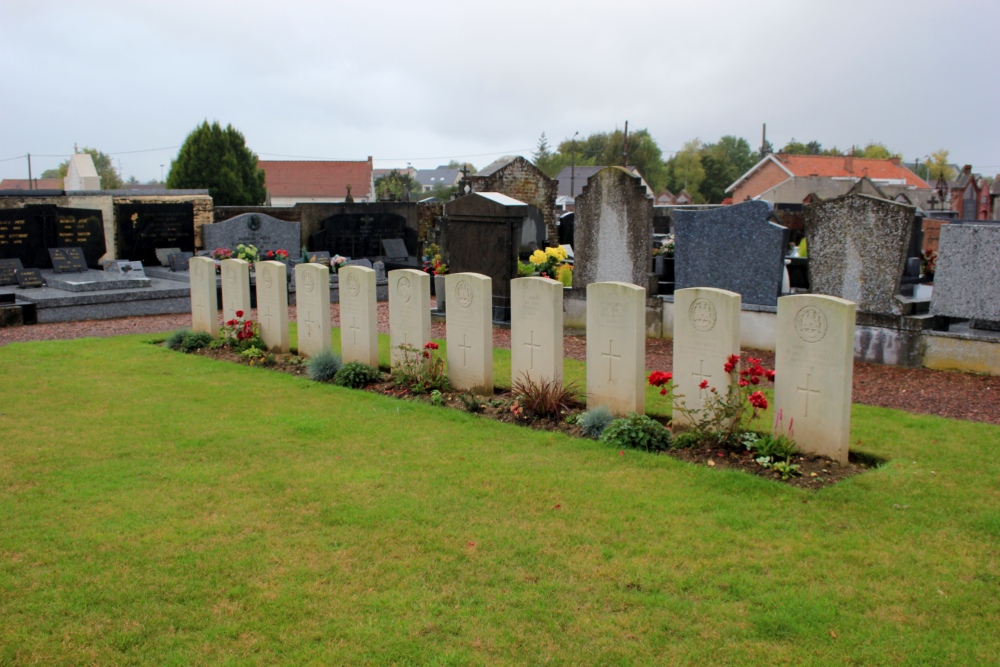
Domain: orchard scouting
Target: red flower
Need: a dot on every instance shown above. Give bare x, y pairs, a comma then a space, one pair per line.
754, 380
231, 323
427, 355
743, 383
239, 313
703, 385
769, 375
757, 370
431, 346
663, 392
758, 400
659, 378
733, 359
729, 366
753, 361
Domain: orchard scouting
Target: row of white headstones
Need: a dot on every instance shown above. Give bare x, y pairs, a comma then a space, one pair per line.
813, 356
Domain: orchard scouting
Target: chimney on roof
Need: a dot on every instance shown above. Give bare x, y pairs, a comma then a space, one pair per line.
895, 160
967, 169
849, 163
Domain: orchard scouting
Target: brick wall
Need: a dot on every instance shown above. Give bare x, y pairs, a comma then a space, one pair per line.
763, 179
525, 182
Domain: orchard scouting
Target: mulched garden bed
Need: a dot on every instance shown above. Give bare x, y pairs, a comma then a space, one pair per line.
817, 472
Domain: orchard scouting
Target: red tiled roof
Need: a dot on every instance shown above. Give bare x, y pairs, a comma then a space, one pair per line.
25, 184
285, 178
838, 166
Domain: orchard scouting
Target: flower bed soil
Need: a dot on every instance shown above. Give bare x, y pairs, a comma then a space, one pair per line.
817, 472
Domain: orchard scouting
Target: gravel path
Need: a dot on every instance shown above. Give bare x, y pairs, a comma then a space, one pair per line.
958, 395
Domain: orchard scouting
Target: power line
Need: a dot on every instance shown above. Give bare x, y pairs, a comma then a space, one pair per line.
401, 159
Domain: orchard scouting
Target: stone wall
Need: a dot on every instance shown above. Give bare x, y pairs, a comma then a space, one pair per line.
524, 182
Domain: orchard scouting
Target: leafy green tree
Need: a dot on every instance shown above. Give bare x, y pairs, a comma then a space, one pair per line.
724, 162
110, 178
218, 159
396, 186
685, 170
794, 147
550, 163
938, 166
455, 164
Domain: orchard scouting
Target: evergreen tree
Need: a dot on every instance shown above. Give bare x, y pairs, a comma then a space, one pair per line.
218, 159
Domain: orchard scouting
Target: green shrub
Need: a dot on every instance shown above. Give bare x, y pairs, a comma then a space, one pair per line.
777, 447
687, 439
593, 422
174, 340
323, 367
637, 431
355, 375
196, 340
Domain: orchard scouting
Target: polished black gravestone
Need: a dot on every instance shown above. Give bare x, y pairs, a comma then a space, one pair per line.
28, 278
142, 228
68, 260
23, 235
321, 257
735, 248
359, 234
81, 228
8, 271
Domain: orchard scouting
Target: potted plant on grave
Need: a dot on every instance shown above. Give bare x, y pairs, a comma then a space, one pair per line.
663, 259
548, 261
928, 265
277, 256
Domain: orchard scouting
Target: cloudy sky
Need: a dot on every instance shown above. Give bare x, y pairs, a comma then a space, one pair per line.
426, 82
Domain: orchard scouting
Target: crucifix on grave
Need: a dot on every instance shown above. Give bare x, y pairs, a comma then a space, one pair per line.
531, 345
354, 329
310, 322
611, 356
807, 391
701, 374
465, 348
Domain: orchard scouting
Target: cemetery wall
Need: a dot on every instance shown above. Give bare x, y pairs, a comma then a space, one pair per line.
958, 352
524, 182
575, 313
312, 215
285, 213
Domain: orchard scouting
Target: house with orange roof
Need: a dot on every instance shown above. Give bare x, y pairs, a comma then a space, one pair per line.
291, 182
33, 184
778, 168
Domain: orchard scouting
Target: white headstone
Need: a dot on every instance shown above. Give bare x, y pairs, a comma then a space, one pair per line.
204, 300
814, 371
616, 347
235, 288
409, 310
272, 305
706, 333
358, 315
470, 332
312, 300
536, 329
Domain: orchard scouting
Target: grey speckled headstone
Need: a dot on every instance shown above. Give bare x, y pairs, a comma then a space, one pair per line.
967, 280
735, 248
857, 250
613, 230
257, 229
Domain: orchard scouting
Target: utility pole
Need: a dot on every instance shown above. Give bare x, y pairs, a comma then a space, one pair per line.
572, 169
625, 147
30, 182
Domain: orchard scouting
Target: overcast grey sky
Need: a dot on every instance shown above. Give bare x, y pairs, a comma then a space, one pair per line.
428, 81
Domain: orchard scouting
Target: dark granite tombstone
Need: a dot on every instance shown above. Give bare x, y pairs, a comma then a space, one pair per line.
566, 222
967, 280
68, 260
22, 235
858, 246
29, 278
8, 271
736, 248
81, 228
395, 249
257, 229
163, 255
482, 235
321, 257
360, 234
142, 228
179, 261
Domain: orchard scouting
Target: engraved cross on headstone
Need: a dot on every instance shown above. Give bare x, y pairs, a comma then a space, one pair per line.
354, 329
701, 374
611, 357
531, 345
269, 317
465, 348
309, 324
807, 391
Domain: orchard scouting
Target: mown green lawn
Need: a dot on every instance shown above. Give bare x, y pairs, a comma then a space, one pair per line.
164, 509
